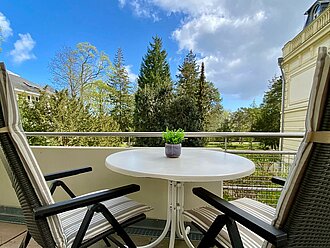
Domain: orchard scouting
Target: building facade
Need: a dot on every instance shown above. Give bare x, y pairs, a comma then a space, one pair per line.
299, 60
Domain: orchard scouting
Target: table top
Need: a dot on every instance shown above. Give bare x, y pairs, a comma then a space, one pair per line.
194, 165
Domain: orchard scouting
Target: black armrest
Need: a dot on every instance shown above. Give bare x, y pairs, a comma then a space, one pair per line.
278, 180
66, 173
83, 201
266, 231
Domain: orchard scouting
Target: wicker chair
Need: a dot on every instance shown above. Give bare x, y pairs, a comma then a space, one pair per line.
77, 222
302, 216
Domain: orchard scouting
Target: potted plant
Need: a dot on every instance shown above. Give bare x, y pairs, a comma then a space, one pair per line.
173, 139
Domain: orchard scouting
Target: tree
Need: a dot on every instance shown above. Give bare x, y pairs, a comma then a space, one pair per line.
122, 98
154, 94
244, 119
61, 113
74, 69
208, 101
98, 98
204, 98
185, 111
270, 113
188, 77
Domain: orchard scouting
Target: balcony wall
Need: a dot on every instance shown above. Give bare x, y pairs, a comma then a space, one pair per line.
51, 159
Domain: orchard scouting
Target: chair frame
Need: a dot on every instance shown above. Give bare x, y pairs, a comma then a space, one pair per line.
97, 207
232, 214
36, 213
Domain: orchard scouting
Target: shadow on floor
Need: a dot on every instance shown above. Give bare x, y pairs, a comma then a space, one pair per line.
11, 236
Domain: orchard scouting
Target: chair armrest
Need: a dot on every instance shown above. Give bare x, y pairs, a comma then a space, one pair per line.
266, 231
83, 201
67, 173
278, 180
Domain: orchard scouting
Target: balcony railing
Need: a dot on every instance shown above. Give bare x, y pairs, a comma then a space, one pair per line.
268, 163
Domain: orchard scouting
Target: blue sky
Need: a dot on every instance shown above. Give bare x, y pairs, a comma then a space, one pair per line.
239, 41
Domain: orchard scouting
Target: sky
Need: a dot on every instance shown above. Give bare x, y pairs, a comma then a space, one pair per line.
238, 40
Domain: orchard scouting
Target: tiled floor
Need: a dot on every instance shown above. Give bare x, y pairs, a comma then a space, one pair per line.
11, 236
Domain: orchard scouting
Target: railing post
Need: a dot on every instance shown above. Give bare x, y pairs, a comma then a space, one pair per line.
225, 143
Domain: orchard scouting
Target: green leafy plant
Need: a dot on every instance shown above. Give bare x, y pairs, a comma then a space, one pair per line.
173, 136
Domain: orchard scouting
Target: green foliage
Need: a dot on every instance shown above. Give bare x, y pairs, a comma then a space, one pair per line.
185, 115
270, 113
188, 76
173, 136
243, 119
60, 113
98, 97
121, 99
154, 94
209, 102
203, 102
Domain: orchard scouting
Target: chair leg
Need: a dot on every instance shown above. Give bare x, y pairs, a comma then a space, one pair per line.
25, 240
209, 238
83, 227
107, 243
235, 237
118, 228
116, 242
100, 208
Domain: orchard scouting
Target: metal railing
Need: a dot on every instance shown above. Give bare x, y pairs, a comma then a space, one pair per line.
258, 186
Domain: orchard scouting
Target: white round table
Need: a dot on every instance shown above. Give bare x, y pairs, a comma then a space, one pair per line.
194, 165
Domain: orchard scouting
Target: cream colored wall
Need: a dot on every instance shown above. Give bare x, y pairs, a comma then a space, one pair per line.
299, 59
51, 159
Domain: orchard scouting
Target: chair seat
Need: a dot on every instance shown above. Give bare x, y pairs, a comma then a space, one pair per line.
122, 209
204, 217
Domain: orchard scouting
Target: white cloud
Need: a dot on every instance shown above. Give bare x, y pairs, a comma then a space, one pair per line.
239, 41
5, 28
23, 48
143, 8
192, 7
122, 3
132, 77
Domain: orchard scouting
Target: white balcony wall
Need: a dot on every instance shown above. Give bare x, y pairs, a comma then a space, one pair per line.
51, 159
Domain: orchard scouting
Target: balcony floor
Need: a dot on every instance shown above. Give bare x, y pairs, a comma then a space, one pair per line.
11, 236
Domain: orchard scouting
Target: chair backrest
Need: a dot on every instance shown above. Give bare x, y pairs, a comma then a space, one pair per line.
23, 170
303, 210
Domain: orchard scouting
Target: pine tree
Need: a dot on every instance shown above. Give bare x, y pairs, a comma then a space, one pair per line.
208, 100
122, 99
186, 114
188, 76
203, 97
154, 94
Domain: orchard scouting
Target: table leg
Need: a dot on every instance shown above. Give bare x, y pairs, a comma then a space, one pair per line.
181, 228
221, 189
175, 220
169, 216
180, 207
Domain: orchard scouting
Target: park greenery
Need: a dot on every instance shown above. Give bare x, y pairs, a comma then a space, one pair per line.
94, 93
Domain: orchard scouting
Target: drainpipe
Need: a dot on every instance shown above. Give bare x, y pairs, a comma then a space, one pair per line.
280, 61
